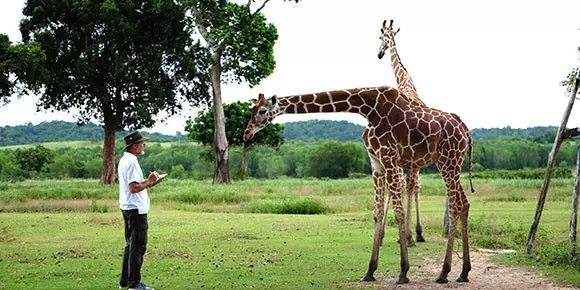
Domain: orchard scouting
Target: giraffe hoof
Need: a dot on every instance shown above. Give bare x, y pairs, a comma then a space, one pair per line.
411, 244
420, 239
402, 280
367, 278
440, 280
461, 279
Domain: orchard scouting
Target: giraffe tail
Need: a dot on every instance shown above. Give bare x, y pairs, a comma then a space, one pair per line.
471, 163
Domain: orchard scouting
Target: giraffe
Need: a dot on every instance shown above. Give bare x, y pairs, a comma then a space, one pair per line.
405, 85
399, 135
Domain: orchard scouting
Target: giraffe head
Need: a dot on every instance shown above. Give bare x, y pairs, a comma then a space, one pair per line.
263, 112
387, 33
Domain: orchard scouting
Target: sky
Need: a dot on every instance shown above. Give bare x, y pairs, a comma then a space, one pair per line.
495, 63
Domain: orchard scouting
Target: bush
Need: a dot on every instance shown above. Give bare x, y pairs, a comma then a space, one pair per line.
287, 206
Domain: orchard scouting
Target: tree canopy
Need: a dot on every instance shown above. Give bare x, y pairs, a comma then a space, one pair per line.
20, 64
201, 128
119, 63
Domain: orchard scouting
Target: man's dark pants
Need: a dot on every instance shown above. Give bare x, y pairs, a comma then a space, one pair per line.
136, 245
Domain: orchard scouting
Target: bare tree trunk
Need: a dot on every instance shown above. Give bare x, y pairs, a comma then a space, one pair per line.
551, 166
220, 142
108, 174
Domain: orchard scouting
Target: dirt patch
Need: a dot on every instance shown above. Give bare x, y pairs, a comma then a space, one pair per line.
483, 275
303, 190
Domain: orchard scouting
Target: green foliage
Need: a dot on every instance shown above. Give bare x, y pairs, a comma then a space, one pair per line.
201, 129
288, 206
334, 159
34, 159
531, 132
95, 207
20, 64
67, 131
118, 62
315, 130
243, 41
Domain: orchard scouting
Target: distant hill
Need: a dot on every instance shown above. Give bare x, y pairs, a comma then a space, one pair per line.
346, 131
58, 131
313, 130
533, 132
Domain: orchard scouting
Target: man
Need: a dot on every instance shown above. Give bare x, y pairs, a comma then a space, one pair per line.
134, 202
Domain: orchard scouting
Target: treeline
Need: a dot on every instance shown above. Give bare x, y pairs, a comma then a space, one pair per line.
312, 130
60, 131
506, 157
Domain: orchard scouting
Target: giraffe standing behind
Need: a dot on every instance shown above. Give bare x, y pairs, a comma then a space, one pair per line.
399, 135
405, 85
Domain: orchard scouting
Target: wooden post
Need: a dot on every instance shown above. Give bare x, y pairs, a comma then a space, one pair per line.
574, 217
551, 166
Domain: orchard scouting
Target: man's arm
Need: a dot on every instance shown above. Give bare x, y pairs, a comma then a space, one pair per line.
151, 181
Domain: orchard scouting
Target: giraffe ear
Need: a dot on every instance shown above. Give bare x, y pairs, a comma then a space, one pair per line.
253, 101
398, 30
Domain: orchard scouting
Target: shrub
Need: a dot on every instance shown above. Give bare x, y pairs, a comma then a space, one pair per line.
287, 206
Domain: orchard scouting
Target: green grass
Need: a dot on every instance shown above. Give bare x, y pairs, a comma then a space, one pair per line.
57, 145
67, 234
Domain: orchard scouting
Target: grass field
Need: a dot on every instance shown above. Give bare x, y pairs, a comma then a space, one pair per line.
67, 234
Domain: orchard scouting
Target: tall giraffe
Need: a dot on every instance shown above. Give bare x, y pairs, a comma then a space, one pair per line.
399, 135
406, 86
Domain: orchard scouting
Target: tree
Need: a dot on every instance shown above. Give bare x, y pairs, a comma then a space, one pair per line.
19, 64
35, 158
201, 129
117, 62
241, 45
334, 159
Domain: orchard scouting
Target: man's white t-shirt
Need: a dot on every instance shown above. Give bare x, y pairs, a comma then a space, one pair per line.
129, 171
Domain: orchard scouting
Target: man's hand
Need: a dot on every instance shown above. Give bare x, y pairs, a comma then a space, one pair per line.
153, 178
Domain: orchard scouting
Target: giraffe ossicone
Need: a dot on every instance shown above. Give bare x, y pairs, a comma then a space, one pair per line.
399, 135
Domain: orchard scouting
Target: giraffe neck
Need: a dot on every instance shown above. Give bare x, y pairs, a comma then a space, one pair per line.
360, 101
404, 81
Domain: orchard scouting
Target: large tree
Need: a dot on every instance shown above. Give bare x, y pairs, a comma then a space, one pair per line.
201, 129
20, 64
241, 45
116, 62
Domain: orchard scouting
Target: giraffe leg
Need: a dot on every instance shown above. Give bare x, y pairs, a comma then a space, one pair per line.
411, 178
419, 226
379, 207
457, 200
446, 218
465, 240
396, 184
385, 221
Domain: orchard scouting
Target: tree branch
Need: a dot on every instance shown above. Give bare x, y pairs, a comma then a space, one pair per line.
202, 29
259, 9
569, 133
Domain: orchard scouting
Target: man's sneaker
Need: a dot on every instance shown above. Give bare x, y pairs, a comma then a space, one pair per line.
141, 286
